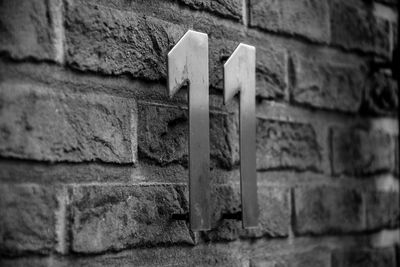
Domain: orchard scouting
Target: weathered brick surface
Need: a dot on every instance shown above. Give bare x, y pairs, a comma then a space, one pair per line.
358, 152
39, 124
395, 37
28, 28
72, 72
23, 262
112, 41
111, 48
225, 200
163, 136
274, 206
224, 8
354, 26
327, 85
382, 210
389, 2
381, 95
308, 18
27, 222
271, 67
116, 217
200, 255
396, 155
323, 210
271, 72
287, 145
15, 171
315, 258
384, 257
274, 211
228, 8
180, 14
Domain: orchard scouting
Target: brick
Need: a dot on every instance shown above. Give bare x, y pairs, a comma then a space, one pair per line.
219, 51
381, 95
225, 200
17, 171
396, 155
175, 11
274, 211
27, 223
314, 258
354, 26
40, 124
308, 18
287, 145
383, 257
274, 220
359, 152
116, 217
326, 210
327, 85
159, 8
271, 67
28, 28
226, 8
382, 210
200, 255
163, 136
90, 48
271, 72
388, 2
29, 261
395, 41
112, 41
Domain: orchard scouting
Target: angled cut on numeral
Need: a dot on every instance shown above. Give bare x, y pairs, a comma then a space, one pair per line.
239, 77
188, 64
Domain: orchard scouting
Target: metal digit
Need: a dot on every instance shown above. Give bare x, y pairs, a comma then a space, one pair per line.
188, 63
239, 77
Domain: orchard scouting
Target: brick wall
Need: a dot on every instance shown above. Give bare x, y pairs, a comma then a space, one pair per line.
93, 153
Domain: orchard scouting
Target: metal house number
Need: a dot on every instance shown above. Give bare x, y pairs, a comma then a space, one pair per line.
188, 65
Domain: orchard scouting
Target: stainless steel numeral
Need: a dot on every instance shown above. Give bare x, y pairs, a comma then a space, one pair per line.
188, 63
239, 77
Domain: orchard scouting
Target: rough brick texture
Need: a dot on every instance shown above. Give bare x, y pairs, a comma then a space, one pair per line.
117, 217
111, 41
111, 48
30, 261
308, 18
163, 136
381, 94
322, 210
274, 214
94, 153
271, 67
308, 259
27, 222
287, 145
389, 2
354, 26
37, 123
28, 28
382, 210
360, 152
327, 85
226, 8
365, 258
396, 155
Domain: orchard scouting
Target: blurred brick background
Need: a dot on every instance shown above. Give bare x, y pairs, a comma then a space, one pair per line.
93, 153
